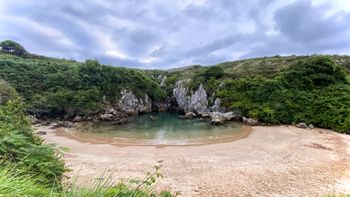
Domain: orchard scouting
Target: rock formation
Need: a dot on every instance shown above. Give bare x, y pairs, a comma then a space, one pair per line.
130, 104
197, 102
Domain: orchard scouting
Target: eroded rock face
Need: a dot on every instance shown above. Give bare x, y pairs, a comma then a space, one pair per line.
180, 93
217, 106
130, 104
198, 102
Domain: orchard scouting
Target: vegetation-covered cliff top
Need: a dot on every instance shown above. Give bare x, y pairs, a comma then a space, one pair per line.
312, 89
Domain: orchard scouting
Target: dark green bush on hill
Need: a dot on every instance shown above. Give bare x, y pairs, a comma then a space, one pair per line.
6, 92
313, 91
12, 47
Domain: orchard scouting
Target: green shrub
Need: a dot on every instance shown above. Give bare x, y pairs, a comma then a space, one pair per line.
9, 46
19, 146
314, 91
59, 86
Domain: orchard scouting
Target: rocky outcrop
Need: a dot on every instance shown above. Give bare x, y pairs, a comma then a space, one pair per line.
131, 105
250, 121
60, 124
114, 116
217, 106
188, 115
180, 92
301, 125
218, 118
197, 102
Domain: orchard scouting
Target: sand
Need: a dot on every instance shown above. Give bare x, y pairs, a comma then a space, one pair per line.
270, 161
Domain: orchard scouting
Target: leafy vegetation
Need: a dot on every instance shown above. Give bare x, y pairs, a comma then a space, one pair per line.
20, 147
30, 168
54, 87
9, 46
315, 91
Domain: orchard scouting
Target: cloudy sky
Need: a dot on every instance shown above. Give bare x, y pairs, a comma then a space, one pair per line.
171, 33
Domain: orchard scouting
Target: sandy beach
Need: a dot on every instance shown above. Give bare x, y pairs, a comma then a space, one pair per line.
270, 161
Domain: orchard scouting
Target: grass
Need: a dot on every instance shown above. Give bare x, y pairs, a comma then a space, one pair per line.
16, 184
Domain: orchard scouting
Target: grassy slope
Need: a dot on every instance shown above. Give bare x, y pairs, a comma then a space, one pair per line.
263, 66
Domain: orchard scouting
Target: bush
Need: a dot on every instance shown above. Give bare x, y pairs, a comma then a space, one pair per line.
314, 91
9, 46
58, 87
20, 147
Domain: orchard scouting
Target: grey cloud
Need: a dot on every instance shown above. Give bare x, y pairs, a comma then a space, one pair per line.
303, 23
172, 33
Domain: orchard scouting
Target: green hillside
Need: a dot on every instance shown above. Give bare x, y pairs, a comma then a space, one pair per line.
58, 87
276, 90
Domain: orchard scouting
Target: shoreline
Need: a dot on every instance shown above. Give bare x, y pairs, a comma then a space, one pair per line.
69, 133
270, 161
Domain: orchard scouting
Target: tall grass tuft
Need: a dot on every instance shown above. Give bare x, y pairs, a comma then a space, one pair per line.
13, 183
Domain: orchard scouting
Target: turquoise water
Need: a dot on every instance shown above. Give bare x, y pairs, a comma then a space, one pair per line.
165, 128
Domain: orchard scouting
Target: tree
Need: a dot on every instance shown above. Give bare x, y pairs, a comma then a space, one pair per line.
9, 46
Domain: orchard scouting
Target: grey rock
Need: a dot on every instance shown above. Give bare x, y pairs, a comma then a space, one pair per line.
130, 104
311, 126
199, 100
77, 118
205, 114
188, 115
220, 118
114, 115
250, 121
196, 102
217, 118
301, 125
217, 106
64, 124
229, 115
41, 133
180, 92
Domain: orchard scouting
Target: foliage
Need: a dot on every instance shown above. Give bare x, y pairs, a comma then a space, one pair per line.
6, 92
314, 91
9, 46
19, 146
104, 188
209, 77
16, 184
57, 87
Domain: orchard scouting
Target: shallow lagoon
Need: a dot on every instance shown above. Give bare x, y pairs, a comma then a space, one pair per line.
158, 129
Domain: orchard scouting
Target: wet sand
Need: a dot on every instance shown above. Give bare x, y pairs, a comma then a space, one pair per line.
270, 161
